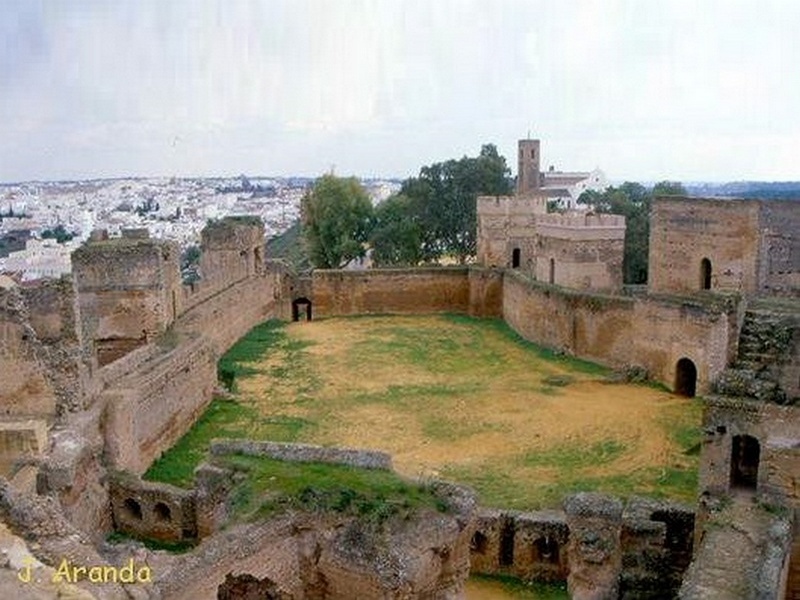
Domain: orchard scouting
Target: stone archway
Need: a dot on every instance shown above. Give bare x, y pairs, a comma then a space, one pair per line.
296, 304
685, 378
705, 274
745, 458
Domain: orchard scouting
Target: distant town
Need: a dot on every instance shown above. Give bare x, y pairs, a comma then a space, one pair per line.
41, 223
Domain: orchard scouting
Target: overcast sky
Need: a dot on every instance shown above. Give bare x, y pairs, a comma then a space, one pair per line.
645, 89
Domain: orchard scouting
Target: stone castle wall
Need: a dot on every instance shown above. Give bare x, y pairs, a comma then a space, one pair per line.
401, 291
620, 331
150, 409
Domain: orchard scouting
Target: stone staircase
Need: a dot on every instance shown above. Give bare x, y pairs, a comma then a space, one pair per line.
741, 555
765, 341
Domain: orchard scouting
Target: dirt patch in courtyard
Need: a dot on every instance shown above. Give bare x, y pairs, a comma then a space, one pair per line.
459, 398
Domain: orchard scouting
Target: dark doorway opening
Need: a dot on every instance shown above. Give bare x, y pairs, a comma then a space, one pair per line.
296, 304
552, 270
507, 544
515, 258
745, 456
685, 378
705, 274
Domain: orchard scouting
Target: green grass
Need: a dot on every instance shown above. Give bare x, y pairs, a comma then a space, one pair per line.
222, 419
515, 588
117, 537
570, 457
545, 354
256, 343
273, 486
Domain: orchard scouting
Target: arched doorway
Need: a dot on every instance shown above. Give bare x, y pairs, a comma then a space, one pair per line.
745, 456
515, 258
705, 274
685, 378
296, 304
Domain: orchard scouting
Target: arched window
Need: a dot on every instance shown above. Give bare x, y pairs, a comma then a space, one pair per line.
515, 258
552, 270
131, 509
162, 512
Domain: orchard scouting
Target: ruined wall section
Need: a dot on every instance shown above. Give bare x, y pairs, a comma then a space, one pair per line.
41, 356
128, 293
774, 427
619, 331
580, 251
684, 231
779, 263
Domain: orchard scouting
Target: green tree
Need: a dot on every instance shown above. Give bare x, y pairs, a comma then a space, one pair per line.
396, 237
337, 215
442, 198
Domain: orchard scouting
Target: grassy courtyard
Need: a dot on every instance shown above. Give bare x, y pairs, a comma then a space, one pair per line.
451, 397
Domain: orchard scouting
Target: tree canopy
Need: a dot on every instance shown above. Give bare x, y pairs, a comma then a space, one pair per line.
442, 201
337, 216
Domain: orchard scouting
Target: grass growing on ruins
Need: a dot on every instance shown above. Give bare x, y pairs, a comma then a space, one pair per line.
453, 397
504, 586
273, 486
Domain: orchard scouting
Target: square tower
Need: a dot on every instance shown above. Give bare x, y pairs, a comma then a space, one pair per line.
528, 174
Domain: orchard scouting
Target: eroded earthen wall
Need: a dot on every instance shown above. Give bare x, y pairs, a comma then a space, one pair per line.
41, 356
129, 293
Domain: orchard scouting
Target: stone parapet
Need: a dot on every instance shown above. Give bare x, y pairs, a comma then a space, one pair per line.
364, 459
